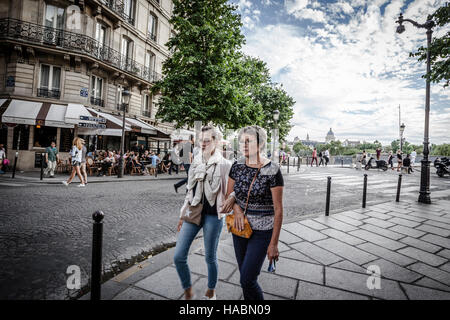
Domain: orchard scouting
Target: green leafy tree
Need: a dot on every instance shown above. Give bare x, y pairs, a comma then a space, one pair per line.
439, 49
441, 150
299, 147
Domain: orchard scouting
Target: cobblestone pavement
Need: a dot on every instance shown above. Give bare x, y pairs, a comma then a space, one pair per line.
46, 228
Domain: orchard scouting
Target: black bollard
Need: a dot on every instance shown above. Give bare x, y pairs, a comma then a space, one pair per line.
15, 164
307, 161
399, 185
96, 270
298, 163
364, 191
288, 165
42, 165
327, 206
342, 162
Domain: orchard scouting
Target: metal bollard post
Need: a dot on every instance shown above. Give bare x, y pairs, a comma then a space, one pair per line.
15, 163
364, 191
42, 165
288, 165
298, 164
342, 162
307, 161
327, 205
96, 270
399, 185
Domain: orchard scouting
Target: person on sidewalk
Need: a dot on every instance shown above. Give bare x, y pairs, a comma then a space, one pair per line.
321, 158
399, 160
413, 158
153, 167
407, 164
75, 155
2, 158
327, 157
391, 160
263, 205
187, 160
207, 183
83, 161
378, 153
314, 157
175, 160
51, 158
364, 158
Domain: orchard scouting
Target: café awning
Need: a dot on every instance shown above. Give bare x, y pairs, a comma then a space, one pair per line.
74, 112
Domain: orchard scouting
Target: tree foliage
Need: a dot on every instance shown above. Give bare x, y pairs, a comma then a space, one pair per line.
209, 79
439, 49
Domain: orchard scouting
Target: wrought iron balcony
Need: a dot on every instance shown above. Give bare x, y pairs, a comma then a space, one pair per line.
118, 7
44, 92
97, 101
17, 30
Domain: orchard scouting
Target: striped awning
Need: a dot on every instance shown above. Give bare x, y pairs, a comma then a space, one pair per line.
35, 113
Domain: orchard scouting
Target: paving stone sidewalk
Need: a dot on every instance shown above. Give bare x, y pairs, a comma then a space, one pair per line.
322, 258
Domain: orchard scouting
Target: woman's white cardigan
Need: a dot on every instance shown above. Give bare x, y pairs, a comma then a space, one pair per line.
222, 170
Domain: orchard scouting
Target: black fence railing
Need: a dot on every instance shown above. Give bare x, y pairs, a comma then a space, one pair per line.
118, 7
97, 102
47, 93
19, 30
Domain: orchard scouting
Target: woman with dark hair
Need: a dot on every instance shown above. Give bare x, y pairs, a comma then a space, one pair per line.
257, 184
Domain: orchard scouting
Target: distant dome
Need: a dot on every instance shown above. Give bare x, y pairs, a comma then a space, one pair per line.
330, 132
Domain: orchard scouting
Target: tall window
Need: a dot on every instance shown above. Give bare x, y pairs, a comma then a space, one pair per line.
97, 90
119, 98
146, 105
128, 10
50, 81
127, 47
100, 33
150, 59
54, 17
152, 25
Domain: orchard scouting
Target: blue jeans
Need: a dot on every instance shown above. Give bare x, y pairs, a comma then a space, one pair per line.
250, 256
212, 228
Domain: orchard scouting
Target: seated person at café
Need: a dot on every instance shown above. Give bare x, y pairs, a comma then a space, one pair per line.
107, 162
137, 163
165, 163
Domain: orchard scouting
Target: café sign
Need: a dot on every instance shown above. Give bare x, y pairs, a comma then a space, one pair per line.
94, 119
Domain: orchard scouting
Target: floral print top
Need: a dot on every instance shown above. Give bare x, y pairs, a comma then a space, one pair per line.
260, 210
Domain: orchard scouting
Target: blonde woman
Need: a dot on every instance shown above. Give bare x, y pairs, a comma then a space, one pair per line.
207, 183
76, 155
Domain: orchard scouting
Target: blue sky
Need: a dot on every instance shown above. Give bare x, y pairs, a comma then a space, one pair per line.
346, 67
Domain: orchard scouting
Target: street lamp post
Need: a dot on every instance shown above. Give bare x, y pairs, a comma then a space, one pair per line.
276, 116
125, 102
402, 129
424, 196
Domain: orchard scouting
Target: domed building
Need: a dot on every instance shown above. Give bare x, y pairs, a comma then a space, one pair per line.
330, 136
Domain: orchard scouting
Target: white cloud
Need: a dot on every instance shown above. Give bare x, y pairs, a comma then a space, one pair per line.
295, 5
353, 76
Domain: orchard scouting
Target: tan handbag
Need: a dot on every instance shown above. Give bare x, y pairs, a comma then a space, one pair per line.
247, 231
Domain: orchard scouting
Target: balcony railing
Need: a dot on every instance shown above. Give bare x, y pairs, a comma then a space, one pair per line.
44, 92
118, 7
18, 30
97, 101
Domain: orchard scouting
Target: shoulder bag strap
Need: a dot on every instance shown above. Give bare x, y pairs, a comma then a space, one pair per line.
249, 190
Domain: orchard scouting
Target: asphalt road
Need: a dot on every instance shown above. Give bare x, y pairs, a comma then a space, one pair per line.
46, 228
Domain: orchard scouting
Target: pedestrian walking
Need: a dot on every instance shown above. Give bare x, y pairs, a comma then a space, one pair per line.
207, 187
75, 155
83, 161
321, 158
327, 157
153, 167
175, 160
364, 158
314, 157
258, 186
391, 160
187, 160
2, 159
399, 160
413, 158
407, 164
51, 158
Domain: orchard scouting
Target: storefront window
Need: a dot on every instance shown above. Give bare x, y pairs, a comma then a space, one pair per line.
3, 134
44, 136
65, 143
24, 136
